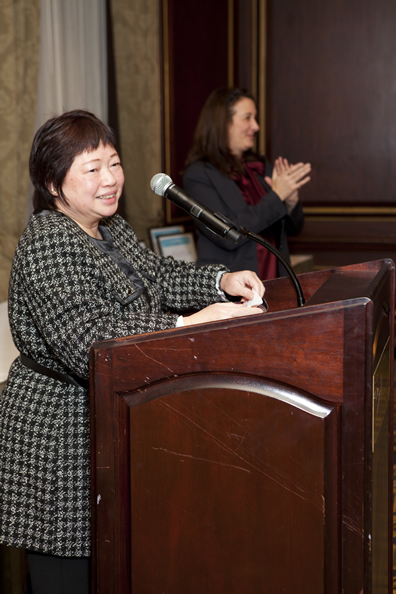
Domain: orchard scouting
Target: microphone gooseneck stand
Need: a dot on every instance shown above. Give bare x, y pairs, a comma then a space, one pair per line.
270, 247
234, 234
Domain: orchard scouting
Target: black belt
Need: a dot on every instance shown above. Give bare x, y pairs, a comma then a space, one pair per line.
69, 378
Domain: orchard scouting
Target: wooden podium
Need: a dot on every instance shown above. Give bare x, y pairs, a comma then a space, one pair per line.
253, 455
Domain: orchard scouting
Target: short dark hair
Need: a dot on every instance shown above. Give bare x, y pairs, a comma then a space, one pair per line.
211, 133
54, 148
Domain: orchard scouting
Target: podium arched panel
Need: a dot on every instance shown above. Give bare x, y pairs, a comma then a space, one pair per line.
222, 478
221, 490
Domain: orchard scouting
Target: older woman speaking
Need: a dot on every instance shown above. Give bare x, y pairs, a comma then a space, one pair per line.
79, 275
224, 174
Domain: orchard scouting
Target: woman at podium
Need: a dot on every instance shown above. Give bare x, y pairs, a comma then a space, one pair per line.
79, 276
226, 175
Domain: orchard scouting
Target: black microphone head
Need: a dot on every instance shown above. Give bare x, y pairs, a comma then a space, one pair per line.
160, 183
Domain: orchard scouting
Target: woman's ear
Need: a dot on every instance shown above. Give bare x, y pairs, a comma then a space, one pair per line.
53, 191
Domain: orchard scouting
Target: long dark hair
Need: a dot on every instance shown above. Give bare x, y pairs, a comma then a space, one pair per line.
55, 146
211, 133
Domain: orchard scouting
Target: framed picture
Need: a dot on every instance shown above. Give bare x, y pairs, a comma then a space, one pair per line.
181, 246
156, 232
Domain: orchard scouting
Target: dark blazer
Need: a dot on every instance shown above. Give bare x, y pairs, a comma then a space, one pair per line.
206, 184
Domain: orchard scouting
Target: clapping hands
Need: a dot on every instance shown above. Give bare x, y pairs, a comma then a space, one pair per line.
287, 179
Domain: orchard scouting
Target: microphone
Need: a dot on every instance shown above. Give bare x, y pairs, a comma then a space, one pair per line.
162, 185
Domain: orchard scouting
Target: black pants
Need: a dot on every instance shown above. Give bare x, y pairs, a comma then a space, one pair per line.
59, 575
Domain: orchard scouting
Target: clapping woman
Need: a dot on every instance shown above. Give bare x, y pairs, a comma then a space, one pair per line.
226, 175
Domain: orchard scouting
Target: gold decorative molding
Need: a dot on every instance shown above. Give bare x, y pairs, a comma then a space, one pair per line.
166, 83
230, 49
381, 211
262, 73
166, 99
254, 52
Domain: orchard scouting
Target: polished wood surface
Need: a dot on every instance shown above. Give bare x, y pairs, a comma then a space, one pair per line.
250, 455
328, 96
215, 481
196, 62
328, 103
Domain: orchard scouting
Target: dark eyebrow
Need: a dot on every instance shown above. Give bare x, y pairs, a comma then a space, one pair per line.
115, 154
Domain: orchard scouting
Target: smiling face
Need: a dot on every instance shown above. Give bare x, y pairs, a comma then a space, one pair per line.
92, 187
243, 127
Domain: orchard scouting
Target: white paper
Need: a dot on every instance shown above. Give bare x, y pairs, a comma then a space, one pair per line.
255, 301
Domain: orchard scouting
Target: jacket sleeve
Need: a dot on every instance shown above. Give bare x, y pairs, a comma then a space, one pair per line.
63, 298
294, 222
181, 285
219, 193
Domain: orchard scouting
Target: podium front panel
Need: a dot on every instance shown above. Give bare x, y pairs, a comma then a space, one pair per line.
226, 482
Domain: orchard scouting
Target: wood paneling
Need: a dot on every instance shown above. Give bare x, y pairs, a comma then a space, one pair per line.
206, 45
331, 96
197, 63
346, 240
331, 101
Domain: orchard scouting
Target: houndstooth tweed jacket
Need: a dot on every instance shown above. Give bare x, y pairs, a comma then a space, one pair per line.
64, 295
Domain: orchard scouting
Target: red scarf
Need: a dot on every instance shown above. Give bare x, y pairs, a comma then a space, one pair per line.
253, 191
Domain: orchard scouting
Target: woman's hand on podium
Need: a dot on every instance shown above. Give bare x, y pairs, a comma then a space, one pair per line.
241, 284
244, 284
221, 311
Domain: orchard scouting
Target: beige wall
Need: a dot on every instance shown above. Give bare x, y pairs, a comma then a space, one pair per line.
19, 58
136, 31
